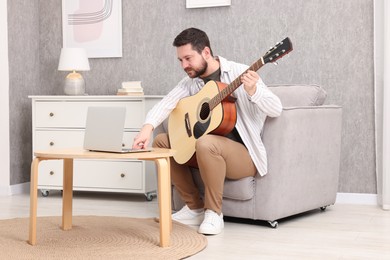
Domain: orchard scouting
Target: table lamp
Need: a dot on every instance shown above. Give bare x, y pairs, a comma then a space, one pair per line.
73, 59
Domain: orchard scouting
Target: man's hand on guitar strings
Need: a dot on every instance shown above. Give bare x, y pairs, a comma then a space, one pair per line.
249, 80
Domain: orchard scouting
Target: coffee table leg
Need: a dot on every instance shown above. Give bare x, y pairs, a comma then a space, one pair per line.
164, 200
67, 195
169, 187
33, 202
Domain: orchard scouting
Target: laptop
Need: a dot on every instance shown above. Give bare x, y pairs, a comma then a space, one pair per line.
104, 130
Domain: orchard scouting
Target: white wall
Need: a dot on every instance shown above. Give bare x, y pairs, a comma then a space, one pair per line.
4, 103
382, 99
386, 109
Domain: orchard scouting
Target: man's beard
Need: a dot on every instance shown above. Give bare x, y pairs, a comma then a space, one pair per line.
194, 73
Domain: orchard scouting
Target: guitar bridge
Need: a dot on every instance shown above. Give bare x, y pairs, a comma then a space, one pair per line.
188, 125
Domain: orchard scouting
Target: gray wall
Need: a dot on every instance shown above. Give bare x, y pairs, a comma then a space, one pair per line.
333, 47
24, 63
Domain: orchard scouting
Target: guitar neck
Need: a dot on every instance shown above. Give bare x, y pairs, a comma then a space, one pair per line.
215, 101
273, 54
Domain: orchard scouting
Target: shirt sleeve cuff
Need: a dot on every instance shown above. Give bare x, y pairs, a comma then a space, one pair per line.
258, 92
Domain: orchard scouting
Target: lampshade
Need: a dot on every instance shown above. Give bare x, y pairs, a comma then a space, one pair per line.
72, 59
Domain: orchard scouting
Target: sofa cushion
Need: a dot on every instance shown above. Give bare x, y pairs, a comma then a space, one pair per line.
242, 189
299, 95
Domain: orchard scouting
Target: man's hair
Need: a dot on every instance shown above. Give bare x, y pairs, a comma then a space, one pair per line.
197, 38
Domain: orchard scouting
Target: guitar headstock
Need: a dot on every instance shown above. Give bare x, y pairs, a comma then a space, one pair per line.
278, 51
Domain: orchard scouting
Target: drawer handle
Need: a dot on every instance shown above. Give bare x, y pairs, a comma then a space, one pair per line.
123, 145
51, 114
123, 175
51, 173
51, 143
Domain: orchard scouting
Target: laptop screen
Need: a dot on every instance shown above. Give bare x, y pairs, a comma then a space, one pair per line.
104, 128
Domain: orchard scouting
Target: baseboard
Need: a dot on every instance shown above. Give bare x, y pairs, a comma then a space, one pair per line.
20, 188
357, 198
342, 198
5, 190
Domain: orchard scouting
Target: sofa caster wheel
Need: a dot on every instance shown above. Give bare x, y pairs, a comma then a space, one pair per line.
273, 224
323, 208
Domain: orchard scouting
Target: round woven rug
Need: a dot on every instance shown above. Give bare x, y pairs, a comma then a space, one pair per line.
95, 237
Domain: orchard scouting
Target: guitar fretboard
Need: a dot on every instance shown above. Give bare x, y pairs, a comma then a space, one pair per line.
215, 101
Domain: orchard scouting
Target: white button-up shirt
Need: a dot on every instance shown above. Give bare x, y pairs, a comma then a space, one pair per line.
251, 110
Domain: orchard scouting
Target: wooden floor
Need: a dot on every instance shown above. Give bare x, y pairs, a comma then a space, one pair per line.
342, 231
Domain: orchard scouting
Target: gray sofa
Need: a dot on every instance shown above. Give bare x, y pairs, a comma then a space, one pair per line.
303, 148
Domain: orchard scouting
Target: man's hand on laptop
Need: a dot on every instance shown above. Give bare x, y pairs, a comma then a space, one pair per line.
141, 141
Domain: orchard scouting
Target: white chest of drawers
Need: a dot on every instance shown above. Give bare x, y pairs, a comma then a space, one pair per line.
59, 122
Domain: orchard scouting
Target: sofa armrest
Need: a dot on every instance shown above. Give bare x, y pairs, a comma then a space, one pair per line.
303, 148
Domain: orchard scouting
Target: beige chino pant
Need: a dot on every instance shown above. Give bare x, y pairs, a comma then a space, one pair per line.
217, 158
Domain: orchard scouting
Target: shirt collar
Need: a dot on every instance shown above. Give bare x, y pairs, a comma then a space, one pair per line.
225, 67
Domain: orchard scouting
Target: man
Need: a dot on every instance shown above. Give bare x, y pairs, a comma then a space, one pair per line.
237, 155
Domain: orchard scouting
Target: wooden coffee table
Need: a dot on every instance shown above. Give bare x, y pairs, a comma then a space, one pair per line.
160, 156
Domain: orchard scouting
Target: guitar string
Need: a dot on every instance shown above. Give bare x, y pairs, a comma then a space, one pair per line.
232, 86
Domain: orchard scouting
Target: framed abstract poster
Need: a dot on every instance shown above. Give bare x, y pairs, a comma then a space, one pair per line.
95, 25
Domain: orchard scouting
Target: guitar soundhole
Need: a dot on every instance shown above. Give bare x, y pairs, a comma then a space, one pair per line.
204, 111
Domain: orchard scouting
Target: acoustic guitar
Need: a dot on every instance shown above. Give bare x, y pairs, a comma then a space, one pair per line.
212, 110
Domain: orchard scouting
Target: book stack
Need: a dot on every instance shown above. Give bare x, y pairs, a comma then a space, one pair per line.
131, 88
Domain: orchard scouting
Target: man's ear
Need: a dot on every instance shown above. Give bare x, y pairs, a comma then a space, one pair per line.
206, 53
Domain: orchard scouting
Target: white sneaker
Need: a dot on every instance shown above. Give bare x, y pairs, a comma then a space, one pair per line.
212, 223
188, 216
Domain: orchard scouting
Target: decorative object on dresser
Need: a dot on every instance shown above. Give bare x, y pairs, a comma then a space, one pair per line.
59, 122
74, 59
131, 88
